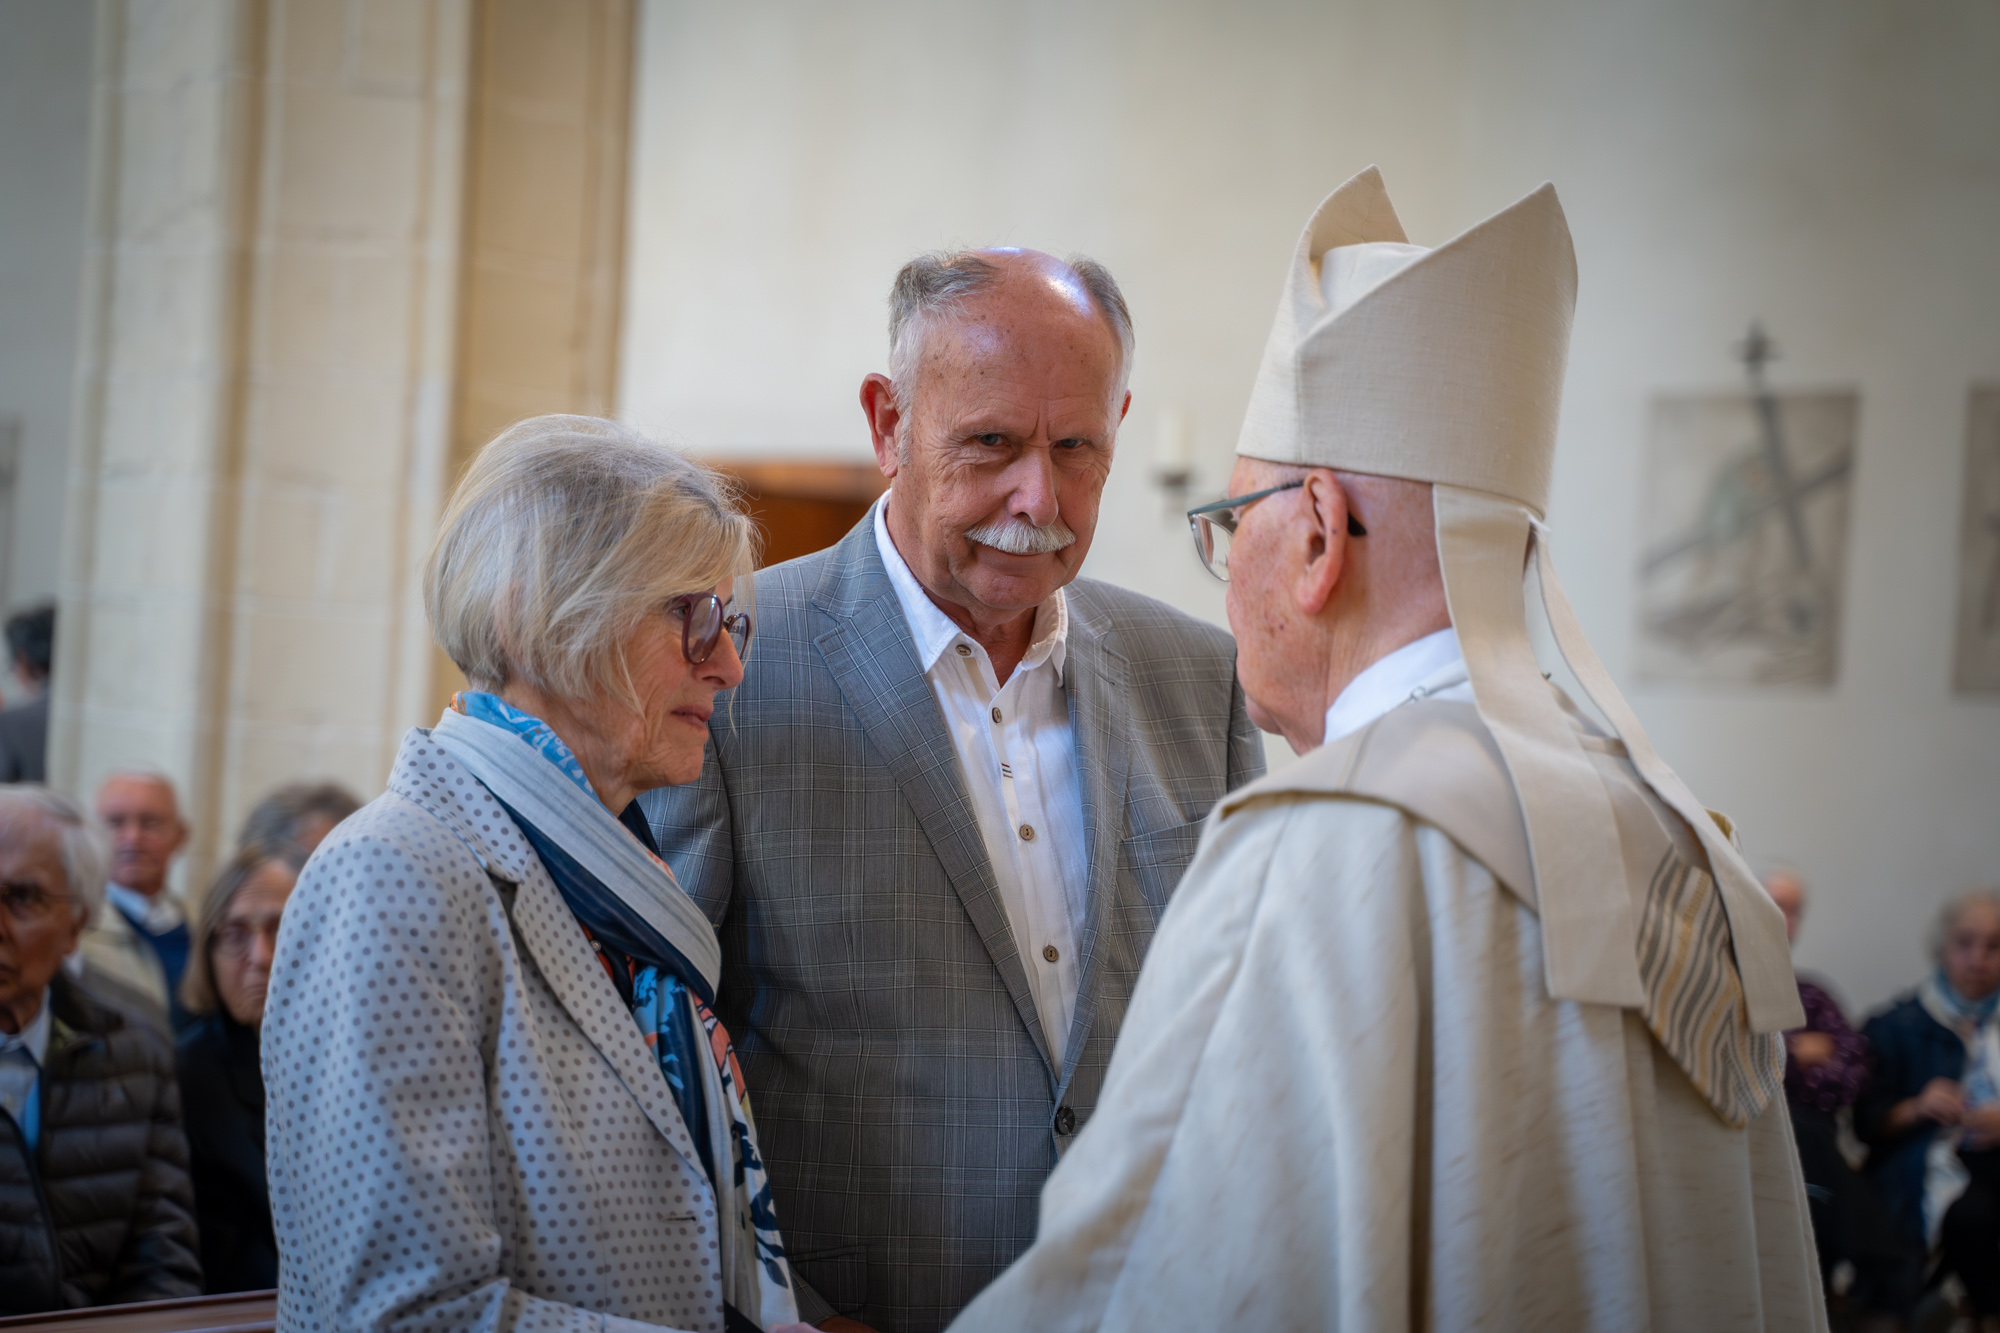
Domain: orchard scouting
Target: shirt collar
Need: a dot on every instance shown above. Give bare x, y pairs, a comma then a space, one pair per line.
1428, 666
156, 914
33, 1038
934, 631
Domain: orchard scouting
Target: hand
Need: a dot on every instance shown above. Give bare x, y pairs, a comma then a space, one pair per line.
1942, 1101
1982, 1125
840, 1323
1811, 1049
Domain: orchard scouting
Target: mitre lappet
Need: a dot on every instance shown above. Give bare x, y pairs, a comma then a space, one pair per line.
1446, 366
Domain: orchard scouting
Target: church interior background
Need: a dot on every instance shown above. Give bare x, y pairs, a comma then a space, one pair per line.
271, 269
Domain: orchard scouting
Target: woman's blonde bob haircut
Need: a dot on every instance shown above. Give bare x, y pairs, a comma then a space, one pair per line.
562, 535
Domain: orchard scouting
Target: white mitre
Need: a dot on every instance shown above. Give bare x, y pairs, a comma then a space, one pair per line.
1446, 366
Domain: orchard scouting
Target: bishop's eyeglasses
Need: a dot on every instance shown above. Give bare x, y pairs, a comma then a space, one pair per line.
1214, 525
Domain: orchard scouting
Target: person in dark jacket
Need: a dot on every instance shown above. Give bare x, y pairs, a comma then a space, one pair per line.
1936, 1061
95, 1203
229, 970
24, 726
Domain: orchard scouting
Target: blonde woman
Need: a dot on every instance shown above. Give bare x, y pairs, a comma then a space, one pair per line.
498, 1097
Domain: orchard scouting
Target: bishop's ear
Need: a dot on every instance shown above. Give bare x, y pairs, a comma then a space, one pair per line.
1329, 528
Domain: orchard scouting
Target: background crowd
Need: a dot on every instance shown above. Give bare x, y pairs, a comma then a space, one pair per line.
129, 1052
131, 1092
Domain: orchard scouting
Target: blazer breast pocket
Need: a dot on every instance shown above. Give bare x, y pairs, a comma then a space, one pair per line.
1157, 860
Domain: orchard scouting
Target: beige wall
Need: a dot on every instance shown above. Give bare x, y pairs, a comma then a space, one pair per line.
321, 234
270, 272
1833, 168
44, 133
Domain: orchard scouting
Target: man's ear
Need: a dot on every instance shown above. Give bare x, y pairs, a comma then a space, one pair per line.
1125, 406
1324, 515
878, 404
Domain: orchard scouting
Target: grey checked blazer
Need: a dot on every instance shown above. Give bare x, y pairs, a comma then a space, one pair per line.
905, 1101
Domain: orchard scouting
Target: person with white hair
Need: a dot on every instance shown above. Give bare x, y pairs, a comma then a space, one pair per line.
959, 786
1469, 1018
497, 1094
135, 949
95, 1204
1931, 1114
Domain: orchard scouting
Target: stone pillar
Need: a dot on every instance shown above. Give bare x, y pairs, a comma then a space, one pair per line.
545, 221
280, 279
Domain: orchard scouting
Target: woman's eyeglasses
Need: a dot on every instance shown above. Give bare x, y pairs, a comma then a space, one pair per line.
702, 625
1215, 524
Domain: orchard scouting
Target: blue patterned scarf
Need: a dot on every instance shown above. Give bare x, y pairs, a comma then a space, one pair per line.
660, 953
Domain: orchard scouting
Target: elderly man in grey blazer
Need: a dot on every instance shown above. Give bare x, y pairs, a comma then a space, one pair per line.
944, 810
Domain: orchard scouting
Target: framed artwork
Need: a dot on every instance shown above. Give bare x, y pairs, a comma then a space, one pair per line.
1976, 664
1742, 576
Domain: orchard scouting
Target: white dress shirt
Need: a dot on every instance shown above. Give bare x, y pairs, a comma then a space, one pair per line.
21, 1059
156, 915
1018, 754
1429, 668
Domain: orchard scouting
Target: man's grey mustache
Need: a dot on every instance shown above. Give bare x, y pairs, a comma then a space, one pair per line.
1018, 538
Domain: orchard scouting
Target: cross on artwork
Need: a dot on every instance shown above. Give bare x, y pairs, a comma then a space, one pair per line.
1740, 569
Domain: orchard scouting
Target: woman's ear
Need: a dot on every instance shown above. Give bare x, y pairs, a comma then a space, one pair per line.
1324, 517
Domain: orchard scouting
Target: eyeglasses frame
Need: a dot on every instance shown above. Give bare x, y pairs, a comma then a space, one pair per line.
1222, 514
724, 624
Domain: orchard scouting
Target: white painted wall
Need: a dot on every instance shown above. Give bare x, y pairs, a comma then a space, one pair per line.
44, 141
1831, 166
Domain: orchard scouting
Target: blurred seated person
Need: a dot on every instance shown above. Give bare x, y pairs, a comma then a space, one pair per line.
222, 1079
1826, 1067
136, 946
1931, 1115
24, 727
298, 815
95, 1206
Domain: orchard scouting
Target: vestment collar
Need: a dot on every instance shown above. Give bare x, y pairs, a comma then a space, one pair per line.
1418, 670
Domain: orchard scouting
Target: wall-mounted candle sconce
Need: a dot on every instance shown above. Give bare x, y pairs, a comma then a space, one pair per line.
1173, 459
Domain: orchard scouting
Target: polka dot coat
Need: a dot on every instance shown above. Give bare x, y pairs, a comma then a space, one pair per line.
465, 1128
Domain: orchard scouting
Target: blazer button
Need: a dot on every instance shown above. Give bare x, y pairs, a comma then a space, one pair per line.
1065, 1120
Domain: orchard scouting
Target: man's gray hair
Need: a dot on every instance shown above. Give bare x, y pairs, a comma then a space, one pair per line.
934, 287
85, 846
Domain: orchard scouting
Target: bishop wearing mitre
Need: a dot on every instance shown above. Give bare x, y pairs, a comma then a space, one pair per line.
1470, 1018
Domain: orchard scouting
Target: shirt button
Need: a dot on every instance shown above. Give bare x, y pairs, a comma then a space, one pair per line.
1027, 833
996, 715
964, 651
1050, 952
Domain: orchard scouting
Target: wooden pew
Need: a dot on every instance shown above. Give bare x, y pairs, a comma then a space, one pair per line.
241, 1312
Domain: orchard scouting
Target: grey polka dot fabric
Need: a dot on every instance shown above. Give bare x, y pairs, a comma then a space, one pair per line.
465, 1129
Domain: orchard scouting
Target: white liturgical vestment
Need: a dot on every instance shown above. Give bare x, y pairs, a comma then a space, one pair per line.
1018, 754
1343, 1097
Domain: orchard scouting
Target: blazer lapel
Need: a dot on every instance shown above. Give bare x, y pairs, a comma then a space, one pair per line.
570, 966
548, 933
1094, 678
873, 658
